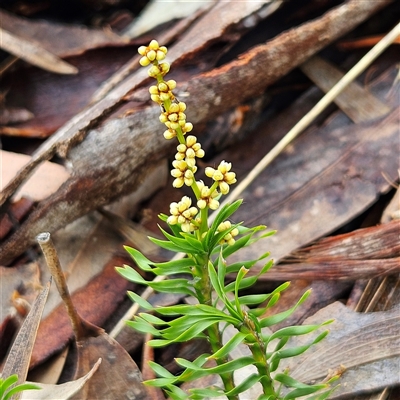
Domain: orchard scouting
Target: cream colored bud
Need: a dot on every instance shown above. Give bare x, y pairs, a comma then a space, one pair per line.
172, 220
160, 55
153, 89
200, 153
163, 87
191, 162
201, 204
213, 204
188, 127
191, 140
224, 187
171, 84
181, 148
163, 118
142, 50
178, 183
182, 106
190, 153
151, 55
144, 61
173, 108
165, 96
154, 45
169, 134
172, 125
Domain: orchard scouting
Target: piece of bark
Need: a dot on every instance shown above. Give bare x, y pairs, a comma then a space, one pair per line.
210, 94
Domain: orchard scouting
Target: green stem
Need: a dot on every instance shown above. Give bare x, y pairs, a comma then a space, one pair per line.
203, 289
260, 357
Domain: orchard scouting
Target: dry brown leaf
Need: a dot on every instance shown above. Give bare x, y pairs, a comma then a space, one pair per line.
61, 39
20, 353
32, 53
367, 345
44, 182
64, 391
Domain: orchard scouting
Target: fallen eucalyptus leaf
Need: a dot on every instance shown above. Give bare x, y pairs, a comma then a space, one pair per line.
364, 348
34, 54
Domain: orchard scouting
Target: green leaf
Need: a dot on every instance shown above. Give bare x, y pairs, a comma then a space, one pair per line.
229, 366
192, 246
130, 274
20, 388
152, 319
253, 299
223, 214
239, 279
199, 394
172, 286
173, 335
301, 389
138, 299
277, 318
166, 244
294, 331
231, 344
141, 261
175, 393
180, 266
143, 326
249, 382
244, 283
7, 382
160, 370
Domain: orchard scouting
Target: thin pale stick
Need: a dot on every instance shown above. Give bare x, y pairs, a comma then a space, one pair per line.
53, 263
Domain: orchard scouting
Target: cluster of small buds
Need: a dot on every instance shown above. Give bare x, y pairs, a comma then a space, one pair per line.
162, 91
222, 175
184, 165
184, 214
152, 52
174, 117
183, 174
207, 198
189, 151
228, 238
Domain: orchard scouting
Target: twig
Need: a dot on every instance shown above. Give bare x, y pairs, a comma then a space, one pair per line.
53, 263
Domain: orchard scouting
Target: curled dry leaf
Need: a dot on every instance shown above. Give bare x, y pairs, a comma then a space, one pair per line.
64, 391
20, 353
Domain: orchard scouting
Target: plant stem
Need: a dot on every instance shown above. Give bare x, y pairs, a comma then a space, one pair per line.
204, 295
260, 357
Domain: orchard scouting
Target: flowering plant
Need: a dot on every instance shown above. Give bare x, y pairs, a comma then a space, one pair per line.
202, 274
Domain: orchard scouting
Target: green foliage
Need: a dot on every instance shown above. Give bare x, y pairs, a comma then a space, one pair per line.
205, 273
8, 388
